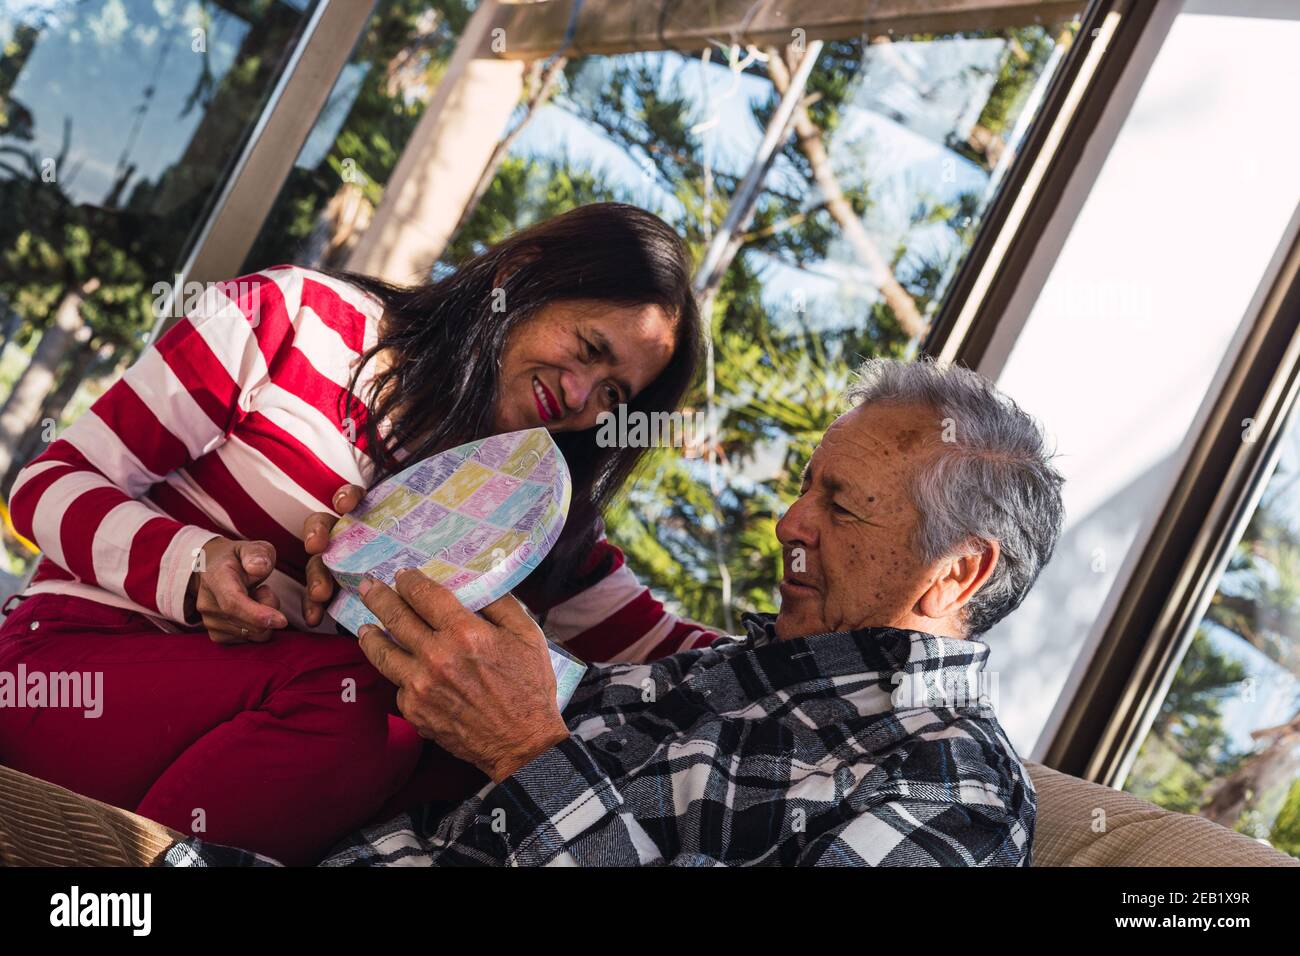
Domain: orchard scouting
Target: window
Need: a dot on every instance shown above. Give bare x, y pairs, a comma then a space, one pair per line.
118, 122
1119, 339
1225, 742
860, 224
338, 178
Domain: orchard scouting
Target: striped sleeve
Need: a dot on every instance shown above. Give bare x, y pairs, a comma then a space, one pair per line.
614, 618
78, 501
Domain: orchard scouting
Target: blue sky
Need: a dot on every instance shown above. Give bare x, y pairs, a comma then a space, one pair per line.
890, 136
93, 64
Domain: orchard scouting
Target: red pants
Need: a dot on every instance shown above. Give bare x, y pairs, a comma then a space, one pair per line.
282, 748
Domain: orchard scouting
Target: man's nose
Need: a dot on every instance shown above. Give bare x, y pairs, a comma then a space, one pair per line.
794, 528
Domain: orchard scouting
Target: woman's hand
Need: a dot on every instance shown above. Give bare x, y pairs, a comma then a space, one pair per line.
229, 595
316, 538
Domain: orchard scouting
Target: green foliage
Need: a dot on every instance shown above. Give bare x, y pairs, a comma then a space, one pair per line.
1188, 750
50, 246
1028, 48
404, 52
116, 248
1285, 833
524, 192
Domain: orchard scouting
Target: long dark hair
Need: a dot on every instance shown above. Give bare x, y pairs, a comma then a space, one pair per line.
448, 341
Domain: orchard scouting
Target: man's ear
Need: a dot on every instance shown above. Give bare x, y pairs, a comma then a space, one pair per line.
958, 579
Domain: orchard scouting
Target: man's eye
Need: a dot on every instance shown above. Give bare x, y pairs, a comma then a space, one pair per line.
840, 509
589, 351
612, 394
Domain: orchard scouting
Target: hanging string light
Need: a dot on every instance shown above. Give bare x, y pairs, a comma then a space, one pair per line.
709, 126
707, 130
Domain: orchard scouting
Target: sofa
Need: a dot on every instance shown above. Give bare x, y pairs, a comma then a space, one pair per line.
1070, 830
1079, 824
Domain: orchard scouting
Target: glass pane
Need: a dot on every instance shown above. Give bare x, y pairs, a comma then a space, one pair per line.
860, 225
339, 176
1119, 275
1226, 741
118, 122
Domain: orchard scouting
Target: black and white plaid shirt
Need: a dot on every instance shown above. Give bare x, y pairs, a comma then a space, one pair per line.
874, 747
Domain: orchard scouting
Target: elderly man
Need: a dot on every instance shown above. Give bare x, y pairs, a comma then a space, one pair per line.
853, 728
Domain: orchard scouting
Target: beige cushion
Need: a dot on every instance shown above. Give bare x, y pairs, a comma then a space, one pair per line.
44, 825
1070, 832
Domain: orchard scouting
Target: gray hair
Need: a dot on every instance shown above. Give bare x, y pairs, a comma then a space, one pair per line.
991, 478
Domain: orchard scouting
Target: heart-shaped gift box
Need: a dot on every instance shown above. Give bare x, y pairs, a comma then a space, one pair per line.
477, 519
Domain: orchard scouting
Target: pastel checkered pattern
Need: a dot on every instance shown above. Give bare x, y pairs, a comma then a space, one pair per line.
477, 519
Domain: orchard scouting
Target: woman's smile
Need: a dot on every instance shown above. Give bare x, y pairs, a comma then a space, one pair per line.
548, 406
575, 359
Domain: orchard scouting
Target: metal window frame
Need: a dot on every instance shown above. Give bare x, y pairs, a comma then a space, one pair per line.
1179, 565
238, 211
1017, 219
1179, 569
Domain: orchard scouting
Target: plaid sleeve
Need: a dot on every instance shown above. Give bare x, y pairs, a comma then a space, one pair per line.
192, 852
560, 809
957, 797
909, 832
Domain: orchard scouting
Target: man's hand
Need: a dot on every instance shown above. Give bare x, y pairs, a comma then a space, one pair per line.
316, 539
481, 687
228, 593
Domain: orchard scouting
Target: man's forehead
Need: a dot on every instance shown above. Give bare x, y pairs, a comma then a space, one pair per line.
881, 436
871, 428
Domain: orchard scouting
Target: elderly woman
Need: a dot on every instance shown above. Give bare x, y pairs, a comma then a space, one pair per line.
169, 518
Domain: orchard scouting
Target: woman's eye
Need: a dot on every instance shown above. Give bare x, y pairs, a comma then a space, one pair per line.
589, 351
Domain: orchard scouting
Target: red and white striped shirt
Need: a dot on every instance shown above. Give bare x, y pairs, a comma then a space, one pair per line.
234, 424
